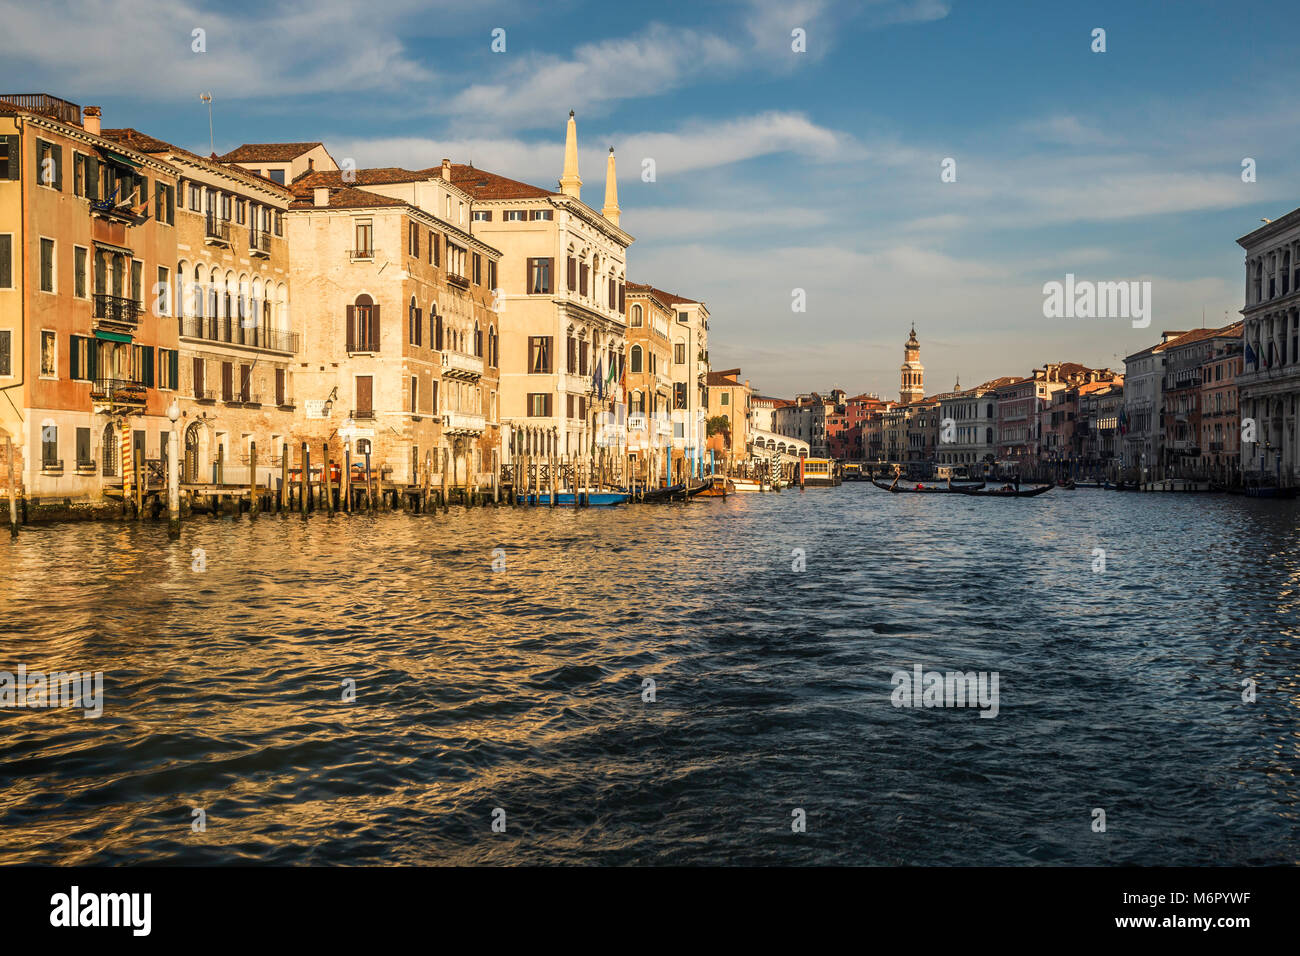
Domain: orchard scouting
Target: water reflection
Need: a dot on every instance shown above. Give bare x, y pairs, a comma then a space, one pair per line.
521, 689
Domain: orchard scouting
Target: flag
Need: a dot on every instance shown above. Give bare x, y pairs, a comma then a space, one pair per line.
598, 380
1250, 355
622, 379
1123, 422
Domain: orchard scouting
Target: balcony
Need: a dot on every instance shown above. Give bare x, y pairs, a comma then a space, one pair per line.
463, 423
459, 281
216, 232
62, 110
118, 391
114, 313
52, 467
237, 333
362, 414
359, 254
461, 365
259, 243
637, 422
204, 395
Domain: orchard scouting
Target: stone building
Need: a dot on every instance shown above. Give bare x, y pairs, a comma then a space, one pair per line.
562, 298
402, 347
282, 163
88, 342
730, 398
1220, 411
649, 374
1182, 398
973, 413
912, 372
237, 348
1144, 375
1269, 382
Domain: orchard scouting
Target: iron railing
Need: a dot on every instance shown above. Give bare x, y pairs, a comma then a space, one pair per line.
259, 241
59, 109
115, 308
361, 413
361, 253
214, 228
234, 332
118, 391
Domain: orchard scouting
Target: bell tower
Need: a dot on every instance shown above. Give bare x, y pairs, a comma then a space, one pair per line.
912, 380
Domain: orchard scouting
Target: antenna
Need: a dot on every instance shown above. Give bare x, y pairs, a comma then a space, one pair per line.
207, 98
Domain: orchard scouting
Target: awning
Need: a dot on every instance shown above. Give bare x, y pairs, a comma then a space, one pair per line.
111, 336
113, 247
117, 157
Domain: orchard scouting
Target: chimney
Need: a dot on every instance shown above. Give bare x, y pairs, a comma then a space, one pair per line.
321, 196
91, 121
446, 170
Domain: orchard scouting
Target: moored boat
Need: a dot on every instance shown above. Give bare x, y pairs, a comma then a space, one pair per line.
569, 498
1007, 491
921, 487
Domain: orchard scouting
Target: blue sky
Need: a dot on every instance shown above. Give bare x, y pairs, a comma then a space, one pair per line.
778, 170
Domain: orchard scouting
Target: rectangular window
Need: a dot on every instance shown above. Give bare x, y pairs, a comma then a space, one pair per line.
83, 448
47, 265
79, 174
49, 164
415, 395
543, 214
227, 382
414, 240
164, 291
572, 274
435, 248
279, 223
9, 155
679, 353
539, 355
478, 269
583, 271
196, 198
49, 355
515, 215
6, 351
6, 261
50, 446
169, 369
492, 275
679, 395
365, 241
245, 383
241, 211
275, 175
279, 387
539, 276
539, 404
482, 215
137, 280
79, 271
199, 384
80, 358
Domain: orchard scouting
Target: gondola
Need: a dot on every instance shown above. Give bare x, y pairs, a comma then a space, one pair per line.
924, 489
1009, 491
569, 499
660, 494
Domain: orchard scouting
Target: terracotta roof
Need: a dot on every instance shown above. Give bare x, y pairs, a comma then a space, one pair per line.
267, 152
726, 377
1100, 386
359, 177
343, 197
481, 184
666, 297
144, 143
1197, 335
1005, 381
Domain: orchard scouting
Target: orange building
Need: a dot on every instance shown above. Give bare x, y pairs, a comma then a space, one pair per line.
88, 345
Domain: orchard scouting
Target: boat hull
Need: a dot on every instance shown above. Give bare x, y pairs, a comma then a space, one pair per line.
569, 499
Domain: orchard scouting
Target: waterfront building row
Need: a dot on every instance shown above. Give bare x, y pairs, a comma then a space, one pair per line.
442, 318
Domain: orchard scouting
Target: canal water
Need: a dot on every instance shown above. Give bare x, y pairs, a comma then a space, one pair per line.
520, 695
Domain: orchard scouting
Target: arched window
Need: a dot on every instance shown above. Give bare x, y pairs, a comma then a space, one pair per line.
636, 403
636, 358
492, 346
363, 325
637, 316
478, 340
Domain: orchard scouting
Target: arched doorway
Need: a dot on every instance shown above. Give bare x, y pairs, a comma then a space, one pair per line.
109, 450
192, 435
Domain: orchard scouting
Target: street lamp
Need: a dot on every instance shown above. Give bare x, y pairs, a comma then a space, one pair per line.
173, 473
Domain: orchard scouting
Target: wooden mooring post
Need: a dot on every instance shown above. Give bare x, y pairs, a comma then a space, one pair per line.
252, 481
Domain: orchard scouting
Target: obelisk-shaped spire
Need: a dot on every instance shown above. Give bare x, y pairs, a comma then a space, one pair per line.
570, 182
611, 210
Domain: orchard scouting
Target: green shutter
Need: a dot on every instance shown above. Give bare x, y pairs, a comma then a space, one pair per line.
92, 360
58, 168
92, 177
147, 362
74, 360
174, 361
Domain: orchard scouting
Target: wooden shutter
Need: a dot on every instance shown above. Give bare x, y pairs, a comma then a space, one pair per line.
528, 276
419, 327
74, 359
438, 337
198, 378
14, 166
58, 167
351, 324
227, 381
622, 289
573, 275
279, 386
147, 357
374, 328
174, 368
92, 177
365, 394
